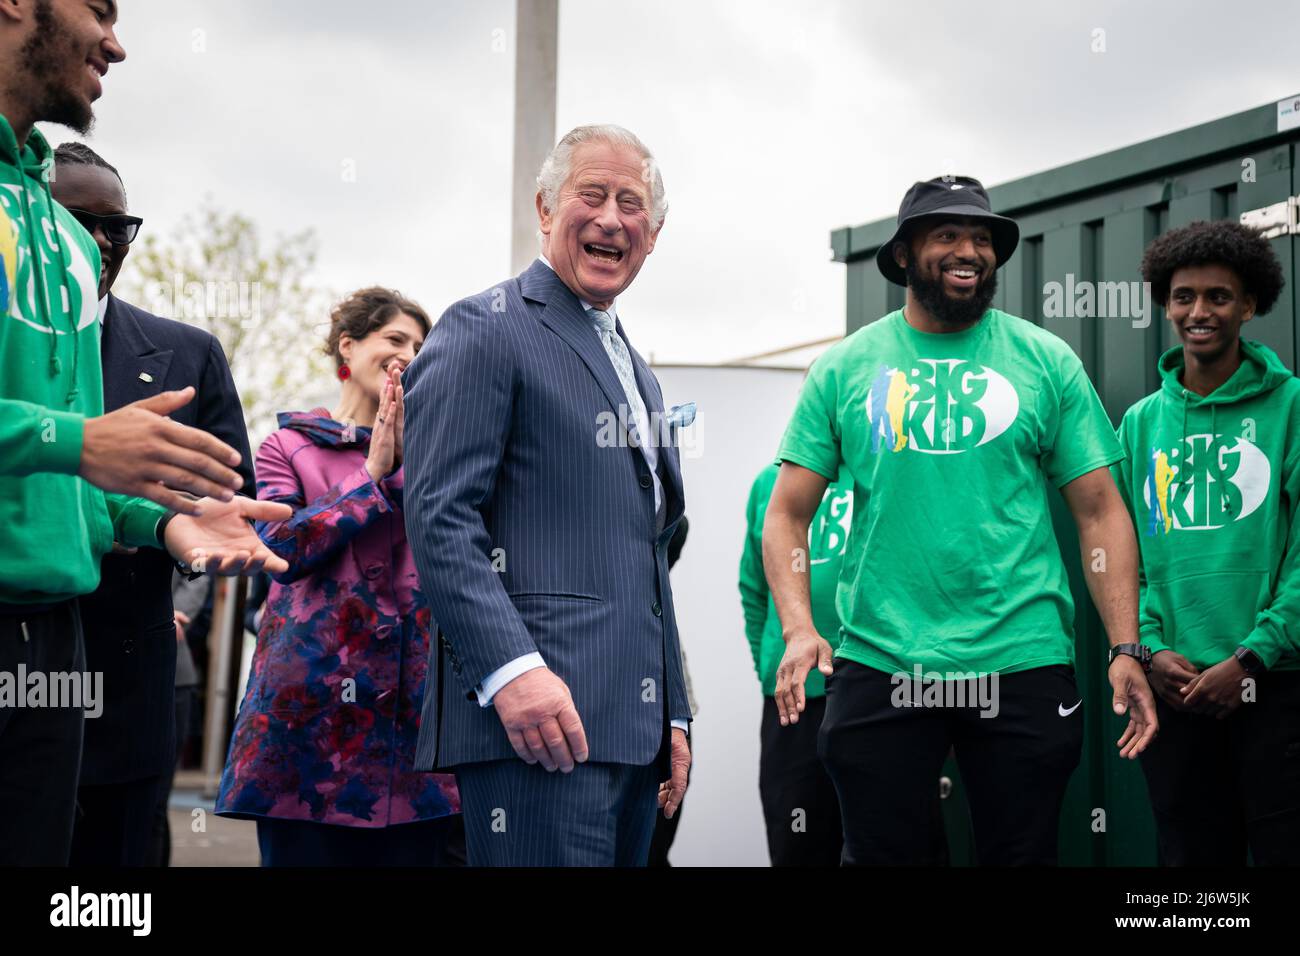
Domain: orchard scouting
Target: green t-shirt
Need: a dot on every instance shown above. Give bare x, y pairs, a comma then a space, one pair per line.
952, 440
828, 534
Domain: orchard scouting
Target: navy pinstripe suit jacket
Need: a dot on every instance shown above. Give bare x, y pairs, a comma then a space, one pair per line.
528, 534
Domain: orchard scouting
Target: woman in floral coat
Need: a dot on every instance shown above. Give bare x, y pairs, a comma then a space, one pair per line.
323, 749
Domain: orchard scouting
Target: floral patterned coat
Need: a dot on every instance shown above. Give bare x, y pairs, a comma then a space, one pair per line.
328, 726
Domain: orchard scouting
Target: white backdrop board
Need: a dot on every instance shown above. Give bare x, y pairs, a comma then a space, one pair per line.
742, 413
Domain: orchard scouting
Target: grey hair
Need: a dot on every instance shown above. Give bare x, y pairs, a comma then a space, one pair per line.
557, 167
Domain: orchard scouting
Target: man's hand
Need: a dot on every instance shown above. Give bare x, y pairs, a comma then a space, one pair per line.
537, 712
672, 790
1216, 690
221, 540
1133, 696
1170, 674
804, 650
182, 622
138, 451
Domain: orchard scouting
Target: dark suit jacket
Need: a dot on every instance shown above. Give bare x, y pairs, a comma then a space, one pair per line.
128, 619
531, 536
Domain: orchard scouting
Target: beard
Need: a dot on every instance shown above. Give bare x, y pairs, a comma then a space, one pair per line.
45, 58
943, 308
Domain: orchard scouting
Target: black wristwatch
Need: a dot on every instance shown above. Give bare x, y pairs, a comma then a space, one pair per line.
1249, 660
1139, 652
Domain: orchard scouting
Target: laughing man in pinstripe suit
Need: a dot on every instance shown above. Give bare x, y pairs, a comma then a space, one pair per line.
541, 493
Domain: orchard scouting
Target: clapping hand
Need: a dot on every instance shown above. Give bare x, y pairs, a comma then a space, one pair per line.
386, 437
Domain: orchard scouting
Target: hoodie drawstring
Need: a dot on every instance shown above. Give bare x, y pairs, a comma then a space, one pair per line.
1212, 450
1224, 500
63, 285
1184, 440
38, 279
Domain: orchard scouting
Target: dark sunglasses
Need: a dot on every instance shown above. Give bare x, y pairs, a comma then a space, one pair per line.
119, 230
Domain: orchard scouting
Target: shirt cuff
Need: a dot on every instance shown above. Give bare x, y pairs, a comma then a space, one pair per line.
61, 452
682, 725
505, 674
138, 527
1153, 638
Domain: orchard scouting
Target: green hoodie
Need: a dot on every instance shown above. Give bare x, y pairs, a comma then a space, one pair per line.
54, 527
827, 534
1217, 529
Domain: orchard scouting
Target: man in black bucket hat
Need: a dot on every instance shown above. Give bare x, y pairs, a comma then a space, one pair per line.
946, 197
953, 418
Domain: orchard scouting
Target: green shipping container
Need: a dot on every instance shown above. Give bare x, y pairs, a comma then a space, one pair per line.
1088, 222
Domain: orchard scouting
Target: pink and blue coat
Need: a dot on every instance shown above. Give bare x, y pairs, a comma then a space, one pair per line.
327, 729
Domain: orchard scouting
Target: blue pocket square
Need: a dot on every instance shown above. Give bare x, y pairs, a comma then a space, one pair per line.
681, 416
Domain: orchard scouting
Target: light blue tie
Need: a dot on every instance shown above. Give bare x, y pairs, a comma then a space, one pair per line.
622, 362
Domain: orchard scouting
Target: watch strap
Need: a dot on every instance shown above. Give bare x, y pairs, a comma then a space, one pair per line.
1139, 652
1250, 662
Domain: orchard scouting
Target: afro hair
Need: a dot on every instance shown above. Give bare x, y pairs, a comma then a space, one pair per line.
1240, 248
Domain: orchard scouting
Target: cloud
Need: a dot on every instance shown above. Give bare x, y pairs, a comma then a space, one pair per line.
773, 123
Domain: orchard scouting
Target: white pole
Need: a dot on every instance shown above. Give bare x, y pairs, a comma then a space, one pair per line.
536, 30
221, 644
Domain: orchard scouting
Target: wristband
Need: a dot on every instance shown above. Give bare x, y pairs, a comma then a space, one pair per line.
160, 528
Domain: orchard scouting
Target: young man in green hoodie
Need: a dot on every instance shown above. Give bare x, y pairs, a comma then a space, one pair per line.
73, 481
1212, 478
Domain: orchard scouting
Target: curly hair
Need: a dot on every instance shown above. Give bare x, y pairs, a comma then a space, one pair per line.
1238, 247
366, 310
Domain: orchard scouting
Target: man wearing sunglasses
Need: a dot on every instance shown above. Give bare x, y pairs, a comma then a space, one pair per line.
92, 191
129, 751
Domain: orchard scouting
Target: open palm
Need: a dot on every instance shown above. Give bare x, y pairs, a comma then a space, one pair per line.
221, 541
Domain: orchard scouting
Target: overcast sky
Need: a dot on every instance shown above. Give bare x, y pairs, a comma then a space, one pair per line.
773, 122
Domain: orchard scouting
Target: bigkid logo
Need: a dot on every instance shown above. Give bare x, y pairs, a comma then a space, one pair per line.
1203, 482
940, 407
828, 532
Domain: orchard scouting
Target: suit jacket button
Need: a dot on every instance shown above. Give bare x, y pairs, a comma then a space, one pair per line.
471, 696
128, 645
656, 609
646, 482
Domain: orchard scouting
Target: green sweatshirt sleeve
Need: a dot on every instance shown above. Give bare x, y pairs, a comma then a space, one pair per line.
1277, 631
37, 439
135, 520
753, 582
1150, 631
